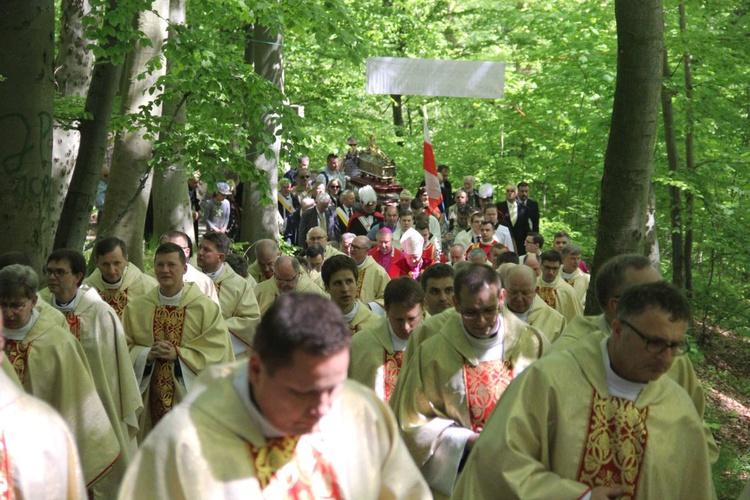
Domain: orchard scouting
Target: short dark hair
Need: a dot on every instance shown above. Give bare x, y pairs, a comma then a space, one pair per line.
511, 257
658, 294
238, 263
169, 247
422, 221
550, 256
337, 263
561, 234
176, 234
474, 277
536, 238
9, 258
74, 258
221, 241
485, 222
611, 277
109, 244
331, 156
405, 212
436, 272
523, 184
403, 290
287, 327
314, 251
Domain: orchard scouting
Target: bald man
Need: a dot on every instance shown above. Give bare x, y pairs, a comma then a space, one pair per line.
521, 300
372, 277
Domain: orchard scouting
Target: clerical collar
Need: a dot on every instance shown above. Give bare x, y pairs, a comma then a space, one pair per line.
20, 333
69, 306
491, 347
362, 264
349, 317
567, 276
523, 316
245, 392
174, 300
399, 344
216, 273
117, 284
616, 385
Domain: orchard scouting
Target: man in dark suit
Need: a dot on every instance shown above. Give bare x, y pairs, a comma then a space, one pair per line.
323, 214
522, 213
528, 208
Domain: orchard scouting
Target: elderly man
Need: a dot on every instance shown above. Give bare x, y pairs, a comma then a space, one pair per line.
571, 272
286, 424
97, 327
448, 390
303, 187
50, 364
384, 252
345, 210
266, 253
405, 198
40, 459
437, 283
340, 275
372, 278
239, 308
472, 196
192, 275
554, 290
287, 278
610, 425
317, 236
285, 202
173, 332
323, 216
521, 300
458, 253
361, 222
117, 280
391, 213
378, 350
346, 243
412, 261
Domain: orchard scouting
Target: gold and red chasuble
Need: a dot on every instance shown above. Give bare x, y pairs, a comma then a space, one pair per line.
6, 476
391, 369
116, 298
485, 384
17, 354
548, 294
615, 445
286, 468
218, 288
74, 324
360, 281
167, 325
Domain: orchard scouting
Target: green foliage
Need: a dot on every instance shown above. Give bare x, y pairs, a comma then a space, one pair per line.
113, 28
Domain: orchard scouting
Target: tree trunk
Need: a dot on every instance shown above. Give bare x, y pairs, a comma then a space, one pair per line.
170, 193
629, 161
73, 74
130, 181
689, 163
26, 62
259, 220
398, 117
675, 209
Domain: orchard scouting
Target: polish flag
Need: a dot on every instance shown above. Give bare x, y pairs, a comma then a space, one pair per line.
432, 184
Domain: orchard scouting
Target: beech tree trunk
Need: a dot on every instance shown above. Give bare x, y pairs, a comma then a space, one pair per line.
170, 193
130, 180
26, 64
689, 162
629, 160
259, 220
73, 68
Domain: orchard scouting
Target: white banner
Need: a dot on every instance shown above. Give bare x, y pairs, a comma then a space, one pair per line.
435, 77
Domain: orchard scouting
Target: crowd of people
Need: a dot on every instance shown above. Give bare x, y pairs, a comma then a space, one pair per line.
374, 364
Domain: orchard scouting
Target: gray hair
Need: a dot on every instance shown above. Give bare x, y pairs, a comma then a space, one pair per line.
18, 276
571, 249
323, 198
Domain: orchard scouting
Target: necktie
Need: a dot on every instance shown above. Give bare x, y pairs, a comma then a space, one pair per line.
322, 221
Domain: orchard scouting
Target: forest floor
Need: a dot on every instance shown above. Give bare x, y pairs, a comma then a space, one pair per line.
723, 365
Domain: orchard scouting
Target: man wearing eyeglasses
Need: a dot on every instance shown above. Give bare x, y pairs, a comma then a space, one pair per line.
117, 280
372, 278
615, 277
97, 327
287, 277
449, 387
600, 421
51, 364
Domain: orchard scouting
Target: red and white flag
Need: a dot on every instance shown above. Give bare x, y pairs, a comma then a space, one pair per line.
431, 182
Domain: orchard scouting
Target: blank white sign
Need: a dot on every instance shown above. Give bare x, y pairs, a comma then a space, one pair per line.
435, 77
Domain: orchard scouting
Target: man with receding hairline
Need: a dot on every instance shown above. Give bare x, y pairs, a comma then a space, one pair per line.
521, 299
285, 424
372, 278
266, 252
287, 278
117, 280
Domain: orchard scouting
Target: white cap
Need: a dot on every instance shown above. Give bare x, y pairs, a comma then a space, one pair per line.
367, 195
485, 190
412, 242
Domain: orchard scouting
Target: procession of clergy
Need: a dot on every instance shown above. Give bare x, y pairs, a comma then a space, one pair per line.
368, 373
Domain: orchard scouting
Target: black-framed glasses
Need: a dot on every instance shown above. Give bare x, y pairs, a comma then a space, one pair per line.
659, 346
59, 273
286, 282
14, 306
